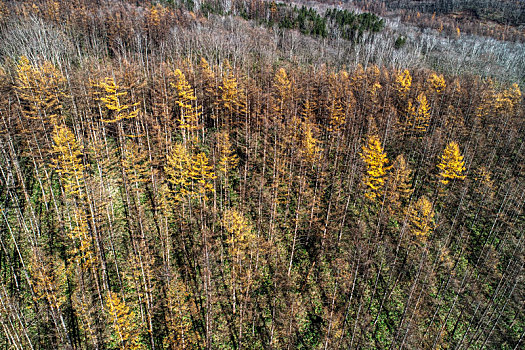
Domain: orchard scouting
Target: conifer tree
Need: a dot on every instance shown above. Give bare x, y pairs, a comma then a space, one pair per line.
40, 89
452, 164
437, 83
209, 88
419, 115
113, 99
399, 183
420, 218
375, 160
178, 171
201, 174
67, 160
122, 320
189, 112
310, 145
403, 83
228, 160
231, 98
282, 87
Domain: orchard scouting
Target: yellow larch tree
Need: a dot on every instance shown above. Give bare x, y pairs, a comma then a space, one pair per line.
310, 145
136, 164
228, 160
451, 165
437, 82
177, 169
232, 99
403, 83
375, 160
399, 187
68, 160
209, 85
113, 98
243, 246
282, 89
48, 279
418, 115
337, 103
201, 174
82, 251
41, 90
181, 310
420, 218
125, 331
507, 100
189, 111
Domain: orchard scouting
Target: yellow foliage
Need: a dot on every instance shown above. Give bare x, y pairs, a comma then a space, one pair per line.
310, 145
437, 82
189, 112
122, 320
228, 160
420, 218
181, 333
282, 86
48, 279
68, 161
231, 98
452, 164
40, 89
242, 238
201, 174
177, 170
399, 179
136, 164
419, 114
208, 79
375, 160
403, 83
82, 253
113, 101
336, 103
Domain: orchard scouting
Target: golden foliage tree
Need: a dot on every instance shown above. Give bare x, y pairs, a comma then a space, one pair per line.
125, 331
113, 100
420, 218
68, 160
403, 83
201, 174
189, 111
310, 145
419, 115
48, 279
437, 82
177, 170
181, 310
337, 103
228, 160
82, 251
282, 87
399, 183
232, 100
136, 164
375, 160
452, 164
209, 85
40, 89
243, 246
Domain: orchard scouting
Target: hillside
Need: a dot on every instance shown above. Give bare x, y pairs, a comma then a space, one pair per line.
261, 175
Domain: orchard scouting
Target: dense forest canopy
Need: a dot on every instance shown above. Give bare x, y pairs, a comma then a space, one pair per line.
258, 175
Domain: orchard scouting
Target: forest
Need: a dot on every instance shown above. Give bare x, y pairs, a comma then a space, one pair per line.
261, 175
